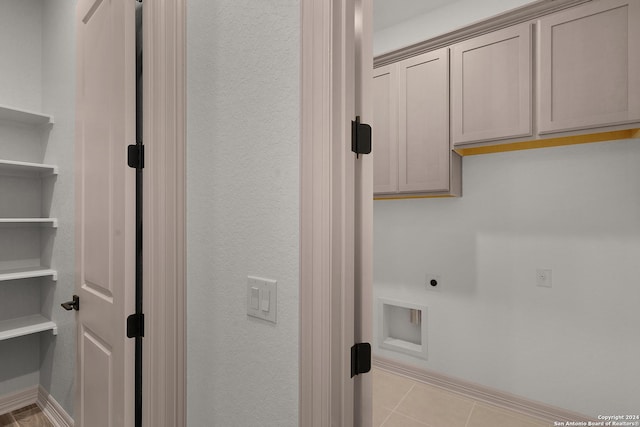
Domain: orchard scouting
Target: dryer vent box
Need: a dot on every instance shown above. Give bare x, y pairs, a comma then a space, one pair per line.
402, 327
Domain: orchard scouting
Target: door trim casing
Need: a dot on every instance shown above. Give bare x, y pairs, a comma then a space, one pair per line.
328, 270
164, 363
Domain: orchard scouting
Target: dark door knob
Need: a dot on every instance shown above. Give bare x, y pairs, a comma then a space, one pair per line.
72, 305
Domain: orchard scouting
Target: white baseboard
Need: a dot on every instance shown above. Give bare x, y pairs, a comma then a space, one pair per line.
52, 409
20, 399
480, 393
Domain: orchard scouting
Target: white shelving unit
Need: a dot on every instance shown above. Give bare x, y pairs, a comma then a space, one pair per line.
27, 273
44, 222
34, 323
24, 116
11, 167
27, 325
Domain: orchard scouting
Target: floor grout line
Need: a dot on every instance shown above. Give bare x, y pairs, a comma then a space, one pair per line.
414, 419
404, 397
475, 405
397, 405
470, 412
386, 419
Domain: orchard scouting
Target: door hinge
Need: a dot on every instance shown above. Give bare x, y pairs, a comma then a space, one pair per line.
135, 156
360, 359
135, 325
360, 137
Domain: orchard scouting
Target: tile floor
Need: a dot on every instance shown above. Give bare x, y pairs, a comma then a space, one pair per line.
397, 402
29, 416
401, 402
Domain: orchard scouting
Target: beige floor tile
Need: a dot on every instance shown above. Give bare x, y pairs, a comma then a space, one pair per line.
435, 407
536, 421
389, 389
380, 415
398, 420
488, 416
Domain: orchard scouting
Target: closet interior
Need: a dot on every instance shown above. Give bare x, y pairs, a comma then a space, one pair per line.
37, 120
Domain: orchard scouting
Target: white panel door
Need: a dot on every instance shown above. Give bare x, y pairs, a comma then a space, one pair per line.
105, 212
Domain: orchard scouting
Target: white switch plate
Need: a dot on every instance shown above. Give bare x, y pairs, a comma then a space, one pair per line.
267, 298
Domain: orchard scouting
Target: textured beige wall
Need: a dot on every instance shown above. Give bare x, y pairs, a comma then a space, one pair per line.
242, 209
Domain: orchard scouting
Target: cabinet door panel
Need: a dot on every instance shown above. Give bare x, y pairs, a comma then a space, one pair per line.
424, 149
385, 130
491, 86
590, 66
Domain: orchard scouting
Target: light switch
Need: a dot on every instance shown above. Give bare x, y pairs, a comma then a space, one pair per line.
255, 297
264, 302
261, 298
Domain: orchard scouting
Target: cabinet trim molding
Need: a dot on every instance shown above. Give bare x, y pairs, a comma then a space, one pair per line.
516, 16
549, 142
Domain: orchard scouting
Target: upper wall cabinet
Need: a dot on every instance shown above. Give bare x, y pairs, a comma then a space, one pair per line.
589, 66
385, 135
412, 152
491, 86
423, 123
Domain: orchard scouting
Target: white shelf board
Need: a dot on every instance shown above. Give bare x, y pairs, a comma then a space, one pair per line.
24, 116
27, 273
47, 222
22, 326
12, 167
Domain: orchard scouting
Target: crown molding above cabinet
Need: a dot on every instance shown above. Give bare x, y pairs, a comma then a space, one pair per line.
516, 16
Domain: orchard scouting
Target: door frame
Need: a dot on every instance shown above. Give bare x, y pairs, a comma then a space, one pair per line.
364, 211
336, 212
164, 103
327, 181
326, 216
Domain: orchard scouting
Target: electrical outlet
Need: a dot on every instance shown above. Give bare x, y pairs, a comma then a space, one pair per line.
543, 277
433, 282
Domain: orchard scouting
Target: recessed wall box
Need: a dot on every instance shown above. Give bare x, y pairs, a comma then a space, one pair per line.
402, 327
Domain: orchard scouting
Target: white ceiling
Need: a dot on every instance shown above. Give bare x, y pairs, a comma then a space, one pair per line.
387, 13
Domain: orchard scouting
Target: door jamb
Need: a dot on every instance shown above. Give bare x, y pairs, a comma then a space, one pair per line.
328, 270
363, 399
